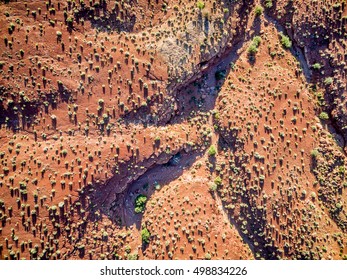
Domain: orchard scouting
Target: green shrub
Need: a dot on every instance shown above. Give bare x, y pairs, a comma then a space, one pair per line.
253, 48
257, 40
218, 181
258, 10
317, 66
314, 153
268, 4
145, 235
324, 116
212, 151
213, 187
200, 5
285, 41
140, 203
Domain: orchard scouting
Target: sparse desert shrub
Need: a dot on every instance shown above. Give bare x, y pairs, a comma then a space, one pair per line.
328, 81
69, 21
207, 256
90, 157
157, 139
213, 187
132, 256
101, 102
59, 35
313, 195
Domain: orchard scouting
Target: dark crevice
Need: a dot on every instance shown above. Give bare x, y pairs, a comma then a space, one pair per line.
109, 196
122, 209
166, 114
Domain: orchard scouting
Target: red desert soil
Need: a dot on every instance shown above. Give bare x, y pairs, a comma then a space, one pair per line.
173, 129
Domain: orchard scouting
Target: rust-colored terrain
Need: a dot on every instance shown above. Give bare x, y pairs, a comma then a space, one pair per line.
151, 129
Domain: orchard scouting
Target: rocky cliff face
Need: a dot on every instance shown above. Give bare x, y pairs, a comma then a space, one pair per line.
318, 29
